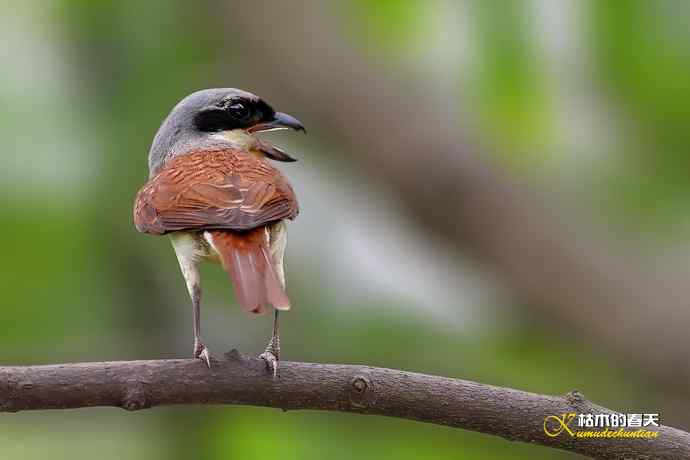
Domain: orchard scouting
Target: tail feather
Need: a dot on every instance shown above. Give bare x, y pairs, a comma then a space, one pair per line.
246, 258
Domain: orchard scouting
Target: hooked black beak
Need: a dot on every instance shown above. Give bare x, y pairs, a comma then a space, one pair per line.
280, 121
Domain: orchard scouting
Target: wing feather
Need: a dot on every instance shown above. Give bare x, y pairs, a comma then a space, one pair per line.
218, 189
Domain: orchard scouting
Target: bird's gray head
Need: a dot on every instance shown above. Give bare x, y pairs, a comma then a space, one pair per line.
219, 117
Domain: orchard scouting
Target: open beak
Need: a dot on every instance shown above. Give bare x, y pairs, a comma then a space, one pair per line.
280, 121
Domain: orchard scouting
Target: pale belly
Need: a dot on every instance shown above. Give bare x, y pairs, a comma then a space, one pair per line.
193, 247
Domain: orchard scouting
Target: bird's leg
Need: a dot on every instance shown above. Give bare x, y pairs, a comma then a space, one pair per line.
272, 353
277, 243
200, 350
187, 250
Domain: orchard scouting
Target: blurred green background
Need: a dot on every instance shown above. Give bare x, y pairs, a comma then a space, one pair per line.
588, 101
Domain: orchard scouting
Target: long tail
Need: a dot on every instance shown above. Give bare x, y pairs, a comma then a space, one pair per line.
246, 258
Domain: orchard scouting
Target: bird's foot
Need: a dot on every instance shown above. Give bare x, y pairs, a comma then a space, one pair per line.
271, 362
272, 356
201, 352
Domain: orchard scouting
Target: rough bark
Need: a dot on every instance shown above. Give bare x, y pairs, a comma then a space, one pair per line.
236, 379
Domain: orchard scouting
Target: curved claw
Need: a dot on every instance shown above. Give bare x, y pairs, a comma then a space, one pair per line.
201, 352
205, 357
271, 362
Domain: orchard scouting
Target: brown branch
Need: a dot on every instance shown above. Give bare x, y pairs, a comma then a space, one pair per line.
236, 379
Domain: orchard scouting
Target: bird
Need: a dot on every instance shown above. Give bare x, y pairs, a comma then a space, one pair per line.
213, 191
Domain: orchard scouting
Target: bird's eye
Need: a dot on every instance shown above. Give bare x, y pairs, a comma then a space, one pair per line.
238, 110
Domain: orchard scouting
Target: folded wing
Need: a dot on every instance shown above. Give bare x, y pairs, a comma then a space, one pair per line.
220, 189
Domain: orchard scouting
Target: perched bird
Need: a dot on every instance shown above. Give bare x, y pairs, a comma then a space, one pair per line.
212, 189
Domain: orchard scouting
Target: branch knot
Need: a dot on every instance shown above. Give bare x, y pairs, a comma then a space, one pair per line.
8, 390
577, 400
361, 391
135, 397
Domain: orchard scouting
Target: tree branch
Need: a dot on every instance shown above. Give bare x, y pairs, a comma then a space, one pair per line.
236, 379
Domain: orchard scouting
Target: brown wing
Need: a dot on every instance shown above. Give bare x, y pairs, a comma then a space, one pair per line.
220, 189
